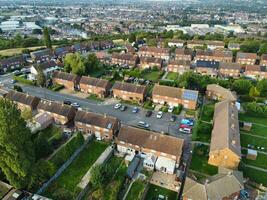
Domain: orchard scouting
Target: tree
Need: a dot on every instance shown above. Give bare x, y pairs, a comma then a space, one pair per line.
41, 80
26, 114
262, 87
250, 46
91, 63
16, 148
42, 146
241, 86
47, 39
74, 63
263, 49
132, 38
1, 31
17, 88
253, 92
37, 32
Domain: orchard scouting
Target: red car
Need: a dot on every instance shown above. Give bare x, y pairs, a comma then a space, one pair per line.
185, 126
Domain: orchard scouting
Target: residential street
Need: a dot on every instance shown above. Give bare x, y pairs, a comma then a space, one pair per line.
126, 117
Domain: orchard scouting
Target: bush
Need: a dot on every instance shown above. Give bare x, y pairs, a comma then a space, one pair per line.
42, 147
148, 105
22, 79
57, 87
246, 98
255, 109
65, 152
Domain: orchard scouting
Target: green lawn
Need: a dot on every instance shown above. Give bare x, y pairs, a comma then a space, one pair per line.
199, 161
154, 191
255, 175
261, 161
66, 184
257, 142
257, 130
202, 132
258, 120
152, 75
207, 112
172, 76
136, 190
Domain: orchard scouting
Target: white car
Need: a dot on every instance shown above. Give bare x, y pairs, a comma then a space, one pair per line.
76, 105
170, 109
160, 114
117, 106
185, 130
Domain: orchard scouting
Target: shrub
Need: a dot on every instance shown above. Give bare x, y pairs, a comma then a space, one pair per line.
148, 105
177, 110
255, 109
22, 79
57, 87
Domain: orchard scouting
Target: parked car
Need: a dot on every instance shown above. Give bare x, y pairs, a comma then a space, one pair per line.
117, 106
13, 81
170, 109
135, 110
160, 114
173, 118
185, 130
187, 121
123, 108
76, 105
143, 124
148, 113
67, 102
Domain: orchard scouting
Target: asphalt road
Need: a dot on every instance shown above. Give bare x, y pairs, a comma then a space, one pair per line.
127, 117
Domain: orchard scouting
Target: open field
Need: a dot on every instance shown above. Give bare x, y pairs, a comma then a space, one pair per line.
154, 191
15, 51
66, 184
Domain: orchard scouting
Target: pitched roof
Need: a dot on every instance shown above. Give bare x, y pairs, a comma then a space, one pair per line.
43, 52
235, 66
154, 49
194, 190
151, 140
125, 56
174, 92
264, 57
241, 55
48, 64
21, 97
150, 60
197, 42
255, 68
225, 93
63, 50
129, 87
95, 82
225, 133
207, 64
11, 60
217, 43
95, 119
180, 62
55, 107
183, 51
65, 76
215, 53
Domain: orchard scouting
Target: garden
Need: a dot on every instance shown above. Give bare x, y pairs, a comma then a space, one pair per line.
136, 191
154, 191
172, 76
202, 132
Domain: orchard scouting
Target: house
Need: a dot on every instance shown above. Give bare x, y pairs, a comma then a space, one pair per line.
230, 69
217, 92
176, 43
234, 46
214, 55
212, 45
263, 60
23, 100
174, 96
179, 66
101, 126
40, 122
70, 81
12, 63
61, 113
209, 68
225, 149
246, 58
42, 55
167, 149
195, 43
226, 185
48, 68
81, 48
129, 60
61, 52
150, 62
183, 54
129, 92
96, 86
256, 71
130, 49
163, 53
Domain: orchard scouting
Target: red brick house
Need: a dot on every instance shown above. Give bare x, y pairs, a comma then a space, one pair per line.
150, 62
179, 66
130, 60
183, 54
246, 58
255, 71
230, 69
215, 55
163, 53
70, 81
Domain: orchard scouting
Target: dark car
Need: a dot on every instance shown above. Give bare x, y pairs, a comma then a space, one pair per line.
148, 113
173, 118
67, 102
123, 108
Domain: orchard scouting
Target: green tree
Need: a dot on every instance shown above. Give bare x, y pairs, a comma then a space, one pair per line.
132, 38
26, 114
16, 148
1, 31
253, 92
37, 32
17, 88
152, 42
41, 80
262, 87
263, 48
42, 146
74, 63
91, 63
250, 46
241, 86
47, 39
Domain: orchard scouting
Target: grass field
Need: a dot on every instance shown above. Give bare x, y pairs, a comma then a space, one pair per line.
152, 76
257, 130
154, 191
256, 142
15, 51
172, 76
247, 118
199, 161
136, 190
66, 184
256, 175
261, 161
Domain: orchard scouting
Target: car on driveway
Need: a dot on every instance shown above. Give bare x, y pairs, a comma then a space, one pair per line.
160, 114
135, 110
143, 124
170, 109
185, 128
187, 121
13, 81
173, 118
123, 108
67, 102
148, 113
117, 106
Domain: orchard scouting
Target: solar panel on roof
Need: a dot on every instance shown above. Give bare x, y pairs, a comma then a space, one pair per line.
190, 95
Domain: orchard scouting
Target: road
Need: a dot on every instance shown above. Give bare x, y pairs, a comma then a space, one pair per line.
126, 117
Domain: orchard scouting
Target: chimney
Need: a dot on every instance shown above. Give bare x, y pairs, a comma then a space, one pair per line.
233, 126
233, 142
